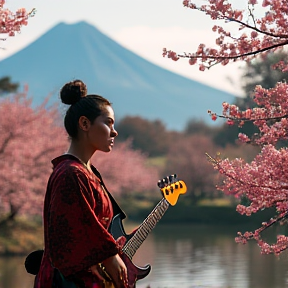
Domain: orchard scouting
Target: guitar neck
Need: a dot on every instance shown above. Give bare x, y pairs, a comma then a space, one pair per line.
145, 228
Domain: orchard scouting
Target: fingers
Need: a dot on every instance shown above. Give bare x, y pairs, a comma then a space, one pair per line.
117, 270
121, 279
124, 278
95, 271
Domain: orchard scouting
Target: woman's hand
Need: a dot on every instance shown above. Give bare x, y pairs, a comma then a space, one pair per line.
117, 270
96, 270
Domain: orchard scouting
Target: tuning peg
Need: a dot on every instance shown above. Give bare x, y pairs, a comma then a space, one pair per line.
161, 184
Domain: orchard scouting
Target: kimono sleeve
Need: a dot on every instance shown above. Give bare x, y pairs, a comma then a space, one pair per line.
77, 239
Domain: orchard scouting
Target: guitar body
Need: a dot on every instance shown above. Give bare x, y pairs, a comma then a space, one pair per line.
135, 272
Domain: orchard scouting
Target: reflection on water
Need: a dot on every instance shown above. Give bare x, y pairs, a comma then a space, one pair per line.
188, 256
13, 273
204, 256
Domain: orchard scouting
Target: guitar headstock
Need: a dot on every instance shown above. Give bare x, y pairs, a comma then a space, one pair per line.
171, 187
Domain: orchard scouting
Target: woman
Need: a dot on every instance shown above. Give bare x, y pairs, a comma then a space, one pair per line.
78, 208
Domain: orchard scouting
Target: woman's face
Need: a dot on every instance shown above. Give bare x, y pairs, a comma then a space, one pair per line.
102, 133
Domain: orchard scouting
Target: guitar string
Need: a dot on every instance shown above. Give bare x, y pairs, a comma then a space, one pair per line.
145, 228
143, 231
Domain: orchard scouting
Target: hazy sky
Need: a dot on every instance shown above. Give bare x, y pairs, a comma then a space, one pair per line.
145, 27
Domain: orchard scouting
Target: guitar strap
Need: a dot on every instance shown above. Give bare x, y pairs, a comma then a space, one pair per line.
116, 208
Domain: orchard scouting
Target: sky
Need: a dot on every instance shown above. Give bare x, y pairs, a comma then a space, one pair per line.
144, 27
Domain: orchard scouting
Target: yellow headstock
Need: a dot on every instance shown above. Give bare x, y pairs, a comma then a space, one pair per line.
171, 188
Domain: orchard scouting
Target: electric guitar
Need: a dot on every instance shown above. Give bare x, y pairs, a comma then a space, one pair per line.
171, 188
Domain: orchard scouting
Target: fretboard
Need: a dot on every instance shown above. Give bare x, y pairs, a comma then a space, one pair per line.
145, 228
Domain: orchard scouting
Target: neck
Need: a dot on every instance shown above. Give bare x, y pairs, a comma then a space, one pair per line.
82, 153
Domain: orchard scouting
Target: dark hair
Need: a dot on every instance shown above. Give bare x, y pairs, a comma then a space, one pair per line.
74, 93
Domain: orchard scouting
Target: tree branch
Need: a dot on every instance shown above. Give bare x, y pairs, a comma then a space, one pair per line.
236, 56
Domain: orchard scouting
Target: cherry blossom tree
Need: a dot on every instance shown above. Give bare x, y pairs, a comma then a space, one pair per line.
29, 139
263, 181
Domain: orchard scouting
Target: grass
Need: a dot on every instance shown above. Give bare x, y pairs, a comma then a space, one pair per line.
159, 162
221, 202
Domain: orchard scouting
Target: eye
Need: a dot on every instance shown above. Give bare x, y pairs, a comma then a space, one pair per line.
110, 122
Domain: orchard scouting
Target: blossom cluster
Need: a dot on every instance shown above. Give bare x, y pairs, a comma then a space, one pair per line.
12, 22
258, 35
270, 115
264, 183
276, 248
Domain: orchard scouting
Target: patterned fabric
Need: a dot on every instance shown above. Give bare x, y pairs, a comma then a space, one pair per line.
77, 214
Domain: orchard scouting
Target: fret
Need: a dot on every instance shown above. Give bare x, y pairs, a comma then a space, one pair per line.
145, 228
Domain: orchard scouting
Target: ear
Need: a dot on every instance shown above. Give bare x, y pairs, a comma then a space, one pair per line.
84, 123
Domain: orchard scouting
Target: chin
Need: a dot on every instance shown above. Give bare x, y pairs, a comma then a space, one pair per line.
107, 150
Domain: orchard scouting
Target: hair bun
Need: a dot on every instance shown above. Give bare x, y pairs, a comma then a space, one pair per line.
73, 91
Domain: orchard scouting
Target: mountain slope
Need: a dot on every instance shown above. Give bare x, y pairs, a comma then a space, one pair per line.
134, 85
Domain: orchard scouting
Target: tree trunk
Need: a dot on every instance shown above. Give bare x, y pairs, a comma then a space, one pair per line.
11, 216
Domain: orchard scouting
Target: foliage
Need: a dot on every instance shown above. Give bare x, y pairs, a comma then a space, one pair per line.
194, 126
20, 237
29, 139
148, 136
186, 158
261, 72
12, 22
6, 86
263, 181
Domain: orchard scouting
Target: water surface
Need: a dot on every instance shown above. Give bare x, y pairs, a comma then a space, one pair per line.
187, 256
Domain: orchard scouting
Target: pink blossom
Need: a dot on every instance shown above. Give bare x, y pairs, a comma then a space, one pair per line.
243, 138
202, 68
254, 34
230, 122
214, 117
192, 61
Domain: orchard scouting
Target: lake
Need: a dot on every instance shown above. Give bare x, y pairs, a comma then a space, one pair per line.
188, 256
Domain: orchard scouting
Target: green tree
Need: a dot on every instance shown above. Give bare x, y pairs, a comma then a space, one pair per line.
6, 86
195, 126
148, 136
260, 72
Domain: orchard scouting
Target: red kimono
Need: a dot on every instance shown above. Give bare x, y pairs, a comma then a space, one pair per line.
77, 213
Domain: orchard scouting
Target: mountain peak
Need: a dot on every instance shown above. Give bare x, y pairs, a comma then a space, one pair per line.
134, 85
75, 25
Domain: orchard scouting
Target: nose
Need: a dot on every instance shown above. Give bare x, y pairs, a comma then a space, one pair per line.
113, 132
